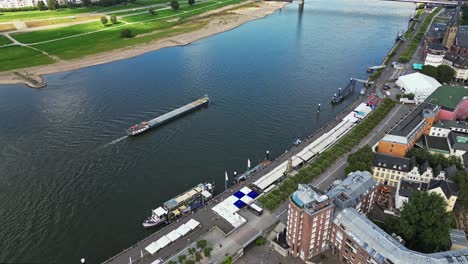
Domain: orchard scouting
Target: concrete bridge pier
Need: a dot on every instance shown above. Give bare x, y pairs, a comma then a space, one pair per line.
301, 5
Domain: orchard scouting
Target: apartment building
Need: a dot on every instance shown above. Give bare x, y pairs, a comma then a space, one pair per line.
17, 3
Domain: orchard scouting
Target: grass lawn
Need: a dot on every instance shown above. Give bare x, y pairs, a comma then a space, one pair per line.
138, 3
32, 15
55, 33
7, 27
4, 40
106, 40
109, 40
14, 57
41, 23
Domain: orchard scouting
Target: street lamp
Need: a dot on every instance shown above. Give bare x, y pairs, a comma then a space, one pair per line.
82, 260
267, 154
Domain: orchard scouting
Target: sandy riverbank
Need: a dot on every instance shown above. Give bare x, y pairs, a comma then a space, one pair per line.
32, 76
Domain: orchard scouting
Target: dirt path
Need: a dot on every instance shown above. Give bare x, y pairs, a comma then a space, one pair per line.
215, 25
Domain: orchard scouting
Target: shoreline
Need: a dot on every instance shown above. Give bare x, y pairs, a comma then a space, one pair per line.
32, 76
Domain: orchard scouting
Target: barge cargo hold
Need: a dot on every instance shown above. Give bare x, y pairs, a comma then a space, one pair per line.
160, 120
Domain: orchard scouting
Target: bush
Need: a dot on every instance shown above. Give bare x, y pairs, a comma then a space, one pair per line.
191, 2
104, 20
151, 11
403, 59
175, 4
375, 75
198, 256
113, 19
126, 33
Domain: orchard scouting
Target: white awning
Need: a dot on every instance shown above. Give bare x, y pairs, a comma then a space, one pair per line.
160, 211
173, 235
152, 248
206, 194
163, 241
192, 224
183, 229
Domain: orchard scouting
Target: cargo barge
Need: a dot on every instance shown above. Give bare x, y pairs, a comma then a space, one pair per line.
161, 120
180, 205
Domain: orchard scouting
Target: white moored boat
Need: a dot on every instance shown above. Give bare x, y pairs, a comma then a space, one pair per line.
158, 216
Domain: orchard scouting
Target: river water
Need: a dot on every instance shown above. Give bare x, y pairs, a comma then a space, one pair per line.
71, 184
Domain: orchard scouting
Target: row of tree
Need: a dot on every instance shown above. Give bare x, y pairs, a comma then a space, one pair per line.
360, 160
443, 73
423, 155
305, 175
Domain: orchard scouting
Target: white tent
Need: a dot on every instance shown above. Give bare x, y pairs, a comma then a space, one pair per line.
152, 248
163, 241
183, 229
418, 84
246, 199
246, 190
173, 235
192, 224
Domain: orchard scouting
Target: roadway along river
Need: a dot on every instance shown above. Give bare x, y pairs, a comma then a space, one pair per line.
70, 189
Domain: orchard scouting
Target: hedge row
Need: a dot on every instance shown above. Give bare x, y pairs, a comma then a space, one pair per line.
305, 175
413, 45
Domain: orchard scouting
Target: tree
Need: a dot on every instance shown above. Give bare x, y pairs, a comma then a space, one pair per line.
41, 5
113, 19
191, 2
462, 183
126, 33
172, 262
132, 1
424, 223
192, 251
87, 2
182, 258
151, 11
227, 260
207, 251
104, 20
198, 256
445, 73
201, 244
69, 4
175, 4
260, 241
190, 261
429, 71
51, 4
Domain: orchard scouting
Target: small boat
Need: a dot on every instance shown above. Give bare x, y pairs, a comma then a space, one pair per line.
138, 128
157, 217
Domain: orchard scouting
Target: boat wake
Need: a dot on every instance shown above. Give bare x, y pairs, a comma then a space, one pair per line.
115, 141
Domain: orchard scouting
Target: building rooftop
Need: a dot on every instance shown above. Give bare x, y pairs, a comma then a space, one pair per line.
448, 97
407, 187
391, 162
460, 126
449, 189
462, 37
458, 238
382, 246
348, 192
408, 124
436, 143
307, 194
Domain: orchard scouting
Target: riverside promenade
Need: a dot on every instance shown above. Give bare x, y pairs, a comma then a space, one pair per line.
210, 221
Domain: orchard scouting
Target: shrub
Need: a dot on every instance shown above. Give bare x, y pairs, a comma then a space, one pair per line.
175, 4
104, 20
191, 2
126, 33
113, 19
151, 11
